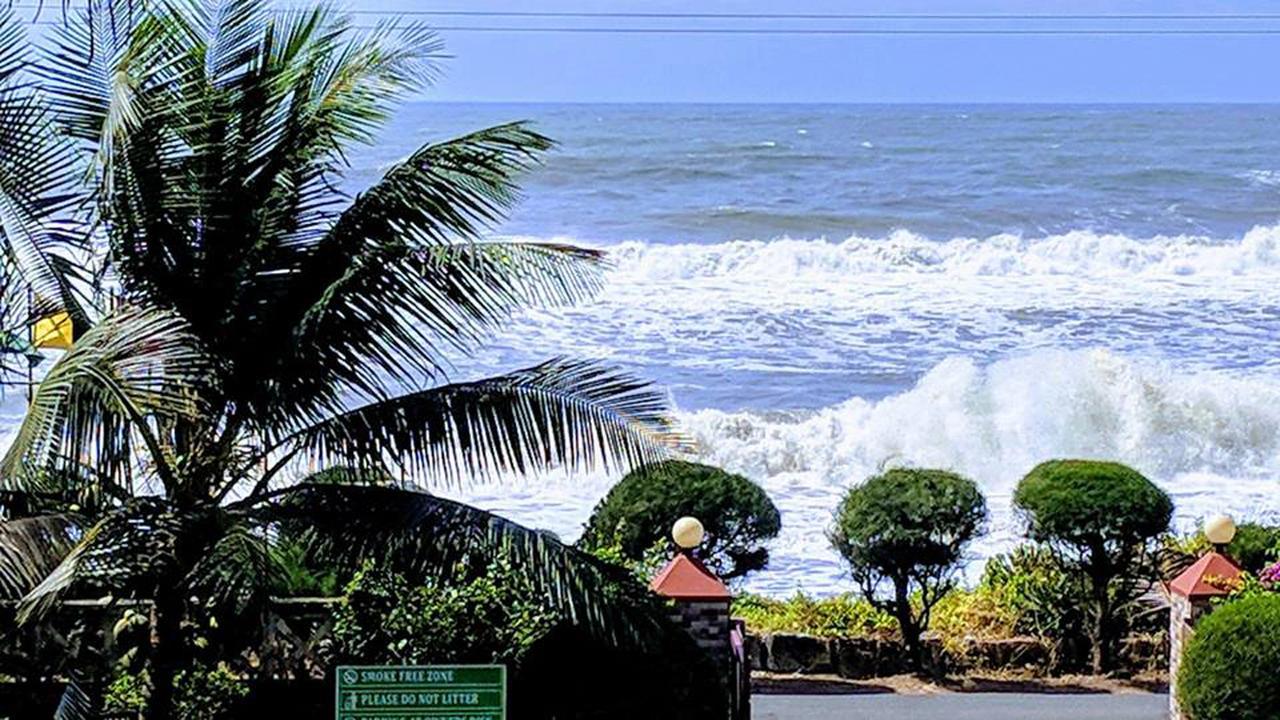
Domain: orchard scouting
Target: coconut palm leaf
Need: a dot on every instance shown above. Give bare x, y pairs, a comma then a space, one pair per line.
424, 536
29, 550
79, 701
578, 414
396, 314
37, 168
127, 551
237, 572
364, 303
94, 401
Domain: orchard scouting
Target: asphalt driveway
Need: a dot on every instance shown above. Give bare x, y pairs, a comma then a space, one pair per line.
962, 706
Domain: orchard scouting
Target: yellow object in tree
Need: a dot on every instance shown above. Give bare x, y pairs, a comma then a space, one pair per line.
53, 332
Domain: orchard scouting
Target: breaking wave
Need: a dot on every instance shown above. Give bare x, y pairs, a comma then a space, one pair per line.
1076, 252
1212, 440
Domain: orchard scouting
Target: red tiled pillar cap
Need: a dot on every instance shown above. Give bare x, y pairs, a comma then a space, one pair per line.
1208, 577
685, 578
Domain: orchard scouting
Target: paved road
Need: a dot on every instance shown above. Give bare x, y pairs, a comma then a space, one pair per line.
977, 706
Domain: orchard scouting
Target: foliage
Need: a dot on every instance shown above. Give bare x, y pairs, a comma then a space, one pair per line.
908, 527
126, 695
1081, 502
498, 615
639, 511
494, 617
1266, 582
839, 616
960, 614
201, 693
1229, 665
250, 321
1100, 518
1048, 600
983, 613
299, 575
1254, 547
650, 563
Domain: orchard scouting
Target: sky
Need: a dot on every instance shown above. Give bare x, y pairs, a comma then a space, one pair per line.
789, 68
612, 67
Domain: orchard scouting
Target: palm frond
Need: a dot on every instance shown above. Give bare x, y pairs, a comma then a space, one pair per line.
37, 170
29, 550
128, 549
237, 572
580, 414
337, 312
79, 701
442, 193
134, 364
396, 315
425, 536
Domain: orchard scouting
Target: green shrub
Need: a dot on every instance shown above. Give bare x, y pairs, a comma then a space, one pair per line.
493, 617
208, 693
1254, 548
908, 527
1101, 518
840, 616
1050, 601
1229, 669
201, 693
640, 510
299, 575
983, 613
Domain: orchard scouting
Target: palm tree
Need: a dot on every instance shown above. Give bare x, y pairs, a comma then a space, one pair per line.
261, 322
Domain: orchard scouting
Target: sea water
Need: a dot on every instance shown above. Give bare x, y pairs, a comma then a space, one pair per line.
825, 291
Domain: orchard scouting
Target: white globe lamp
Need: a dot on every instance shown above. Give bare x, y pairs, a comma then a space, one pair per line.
688, 533
1220, 529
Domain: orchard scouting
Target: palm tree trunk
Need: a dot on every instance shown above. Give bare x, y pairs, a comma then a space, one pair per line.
166, 656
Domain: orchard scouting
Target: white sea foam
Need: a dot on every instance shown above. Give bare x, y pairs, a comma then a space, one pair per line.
1073, 253
1212, 441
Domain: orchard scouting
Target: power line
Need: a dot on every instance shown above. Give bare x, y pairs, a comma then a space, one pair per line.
1019, 17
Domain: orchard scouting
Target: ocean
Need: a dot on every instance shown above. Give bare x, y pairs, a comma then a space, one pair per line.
825, 291
829, 290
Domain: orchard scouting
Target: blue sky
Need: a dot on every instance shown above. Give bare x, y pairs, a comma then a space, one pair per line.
591, 68
556, 67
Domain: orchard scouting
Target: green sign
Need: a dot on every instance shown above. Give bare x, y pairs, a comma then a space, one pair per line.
427, 692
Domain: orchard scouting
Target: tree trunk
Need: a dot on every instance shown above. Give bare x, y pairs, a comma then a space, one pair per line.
908, 626
166, 656
1100, 625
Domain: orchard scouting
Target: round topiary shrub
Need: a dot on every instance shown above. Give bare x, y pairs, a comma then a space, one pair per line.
1085, 501
908, 527
638, 512
1229, 669
1101, 517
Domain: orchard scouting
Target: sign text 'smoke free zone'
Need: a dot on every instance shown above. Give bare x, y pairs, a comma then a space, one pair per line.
427, 692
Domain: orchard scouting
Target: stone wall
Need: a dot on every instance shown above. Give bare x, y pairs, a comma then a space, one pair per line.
707, 622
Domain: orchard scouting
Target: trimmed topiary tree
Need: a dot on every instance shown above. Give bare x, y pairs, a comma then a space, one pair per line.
638, 513
1100, 518
1229, 667
909, 528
